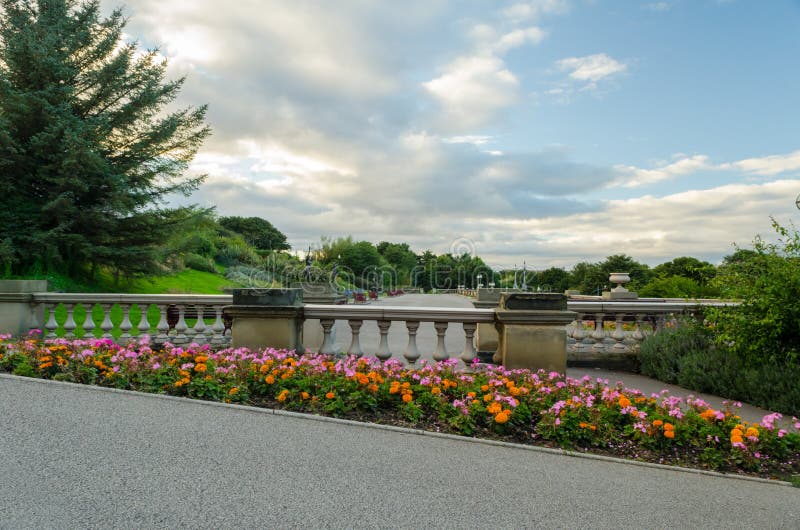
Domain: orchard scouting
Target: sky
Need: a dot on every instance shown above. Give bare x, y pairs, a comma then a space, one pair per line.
544, 131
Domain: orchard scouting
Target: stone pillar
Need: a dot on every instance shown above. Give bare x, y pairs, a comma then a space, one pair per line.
17, 311
532, 331
266, 318
486, 334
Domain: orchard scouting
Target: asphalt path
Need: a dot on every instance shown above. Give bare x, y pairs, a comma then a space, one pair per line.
80, 457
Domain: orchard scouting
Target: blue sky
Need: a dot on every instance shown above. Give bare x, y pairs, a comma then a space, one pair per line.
554, 131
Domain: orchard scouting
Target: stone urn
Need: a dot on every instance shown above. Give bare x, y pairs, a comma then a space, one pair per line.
620, 278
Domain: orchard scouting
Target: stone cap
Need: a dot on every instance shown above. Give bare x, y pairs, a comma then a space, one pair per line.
268, 297
533, 302
23, 286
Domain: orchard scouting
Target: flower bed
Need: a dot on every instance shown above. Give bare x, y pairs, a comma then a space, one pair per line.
514, 405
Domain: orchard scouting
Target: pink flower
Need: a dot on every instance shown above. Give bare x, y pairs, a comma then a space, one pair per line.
156, 366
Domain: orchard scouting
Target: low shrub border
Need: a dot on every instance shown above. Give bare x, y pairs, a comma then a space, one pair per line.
520, 406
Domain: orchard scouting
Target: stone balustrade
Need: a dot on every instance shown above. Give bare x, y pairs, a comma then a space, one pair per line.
411, 316
603, 330
203, 312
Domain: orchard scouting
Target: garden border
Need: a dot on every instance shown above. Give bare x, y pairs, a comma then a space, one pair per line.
404, 430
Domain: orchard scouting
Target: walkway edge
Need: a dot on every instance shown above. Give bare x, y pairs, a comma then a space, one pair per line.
403, 430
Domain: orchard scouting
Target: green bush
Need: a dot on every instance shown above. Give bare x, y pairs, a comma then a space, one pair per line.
688, 356
199, 263
661, 354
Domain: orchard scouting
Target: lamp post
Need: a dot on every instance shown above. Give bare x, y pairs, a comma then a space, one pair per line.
480, 277
524, 273
515, 277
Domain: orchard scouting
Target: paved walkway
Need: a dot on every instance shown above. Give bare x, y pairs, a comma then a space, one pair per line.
81, 457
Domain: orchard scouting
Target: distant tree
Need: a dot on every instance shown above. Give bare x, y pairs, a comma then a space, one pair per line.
258, 232
592, 278
554, 279
701, 272
400, 257
88, 153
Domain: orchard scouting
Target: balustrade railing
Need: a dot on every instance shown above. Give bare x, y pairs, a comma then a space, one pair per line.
413, 317
602, 328
620, 327
179, 319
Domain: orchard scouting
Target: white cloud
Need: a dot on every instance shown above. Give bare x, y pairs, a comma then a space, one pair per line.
632, 176
768, 165
517, 38
472, 89
468, 139
523, 11
591, 68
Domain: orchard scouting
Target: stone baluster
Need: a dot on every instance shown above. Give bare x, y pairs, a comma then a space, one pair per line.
125, 326
69, 323
355, 341
440, 354
469, 352
638, 333
579, 334
383, 348
88, 324
107, 325
327, 347
163, 325
144, 324
218, 327
619, 333
412, 352
51, 326
181, 327
199, 328
599, 333
190, 332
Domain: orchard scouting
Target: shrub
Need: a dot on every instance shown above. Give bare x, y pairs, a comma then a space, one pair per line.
661, 354
199, 263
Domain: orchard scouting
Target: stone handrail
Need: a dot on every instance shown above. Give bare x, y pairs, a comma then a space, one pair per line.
602, 329
197, 307
412, 316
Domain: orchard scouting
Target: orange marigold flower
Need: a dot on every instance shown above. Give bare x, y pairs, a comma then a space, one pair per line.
407, 398
751, 431
583, 425
624, 402
330, 395
502, 417
269, 379
669, 427
472, 394
435, 390
45, 365
264, 369
669, 434
658, 423
373, 387
201, 358
305, 395
484, 388
494, 408
592, 427
736, 439
282, 396
200, 368
233, 391
487, 398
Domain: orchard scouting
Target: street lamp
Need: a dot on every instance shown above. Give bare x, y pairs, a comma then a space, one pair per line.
480, 277
515, 277
524, 273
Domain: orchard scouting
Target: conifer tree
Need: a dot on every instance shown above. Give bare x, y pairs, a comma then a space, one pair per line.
88, 153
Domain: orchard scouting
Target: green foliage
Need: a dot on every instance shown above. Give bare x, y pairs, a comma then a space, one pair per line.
766, 324
701, 272
676, 287
662, 355
235, 251
592, 278
257, 232
87, 153
199, 263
